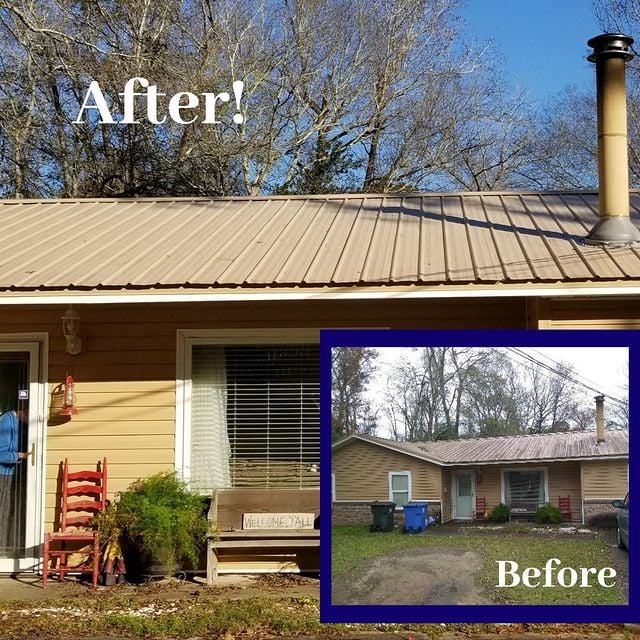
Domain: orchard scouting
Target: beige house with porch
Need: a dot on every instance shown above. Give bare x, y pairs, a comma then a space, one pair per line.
466, 479
195, 346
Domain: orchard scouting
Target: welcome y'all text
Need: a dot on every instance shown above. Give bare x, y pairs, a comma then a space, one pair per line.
180, 107
532, 577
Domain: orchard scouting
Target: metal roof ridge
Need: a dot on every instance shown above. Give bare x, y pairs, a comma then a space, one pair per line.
321, 196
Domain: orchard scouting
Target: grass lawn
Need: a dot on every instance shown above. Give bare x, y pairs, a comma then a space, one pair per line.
352, 545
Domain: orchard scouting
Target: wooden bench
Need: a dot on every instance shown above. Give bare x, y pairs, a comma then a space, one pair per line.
523, 510
234, 549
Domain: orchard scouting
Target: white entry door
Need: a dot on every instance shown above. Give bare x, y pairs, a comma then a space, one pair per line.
22, 390
463, 495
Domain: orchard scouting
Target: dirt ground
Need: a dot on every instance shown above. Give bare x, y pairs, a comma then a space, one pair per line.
28, 589
442, 575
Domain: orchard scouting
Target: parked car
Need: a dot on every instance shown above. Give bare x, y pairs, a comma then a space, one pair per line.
623, 521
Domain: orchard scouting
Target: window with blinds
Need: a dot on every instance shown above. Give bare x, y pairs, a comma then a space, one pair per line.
525, 486
255, 416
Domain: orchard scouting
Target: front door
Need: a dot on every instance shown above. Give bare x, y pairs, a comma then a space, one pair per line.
463, 495
21, 391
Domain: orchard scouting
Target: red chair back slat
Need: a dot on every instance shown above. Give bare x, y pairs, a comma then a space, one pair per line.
76, 486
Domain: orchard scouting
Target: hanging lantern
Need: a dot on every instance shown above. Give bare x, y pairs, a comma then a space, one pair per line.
68, 398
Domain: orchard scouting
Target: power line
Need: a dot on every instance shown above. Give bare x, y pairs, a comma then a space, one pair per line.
562, 374
558, 363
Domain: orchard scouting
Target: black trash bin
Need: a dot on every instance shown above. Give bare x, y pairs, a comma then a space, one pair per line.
382, 516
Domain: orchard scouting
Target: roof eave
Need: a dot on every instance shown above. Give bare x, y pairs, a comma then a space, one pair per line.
443, 463
324, 292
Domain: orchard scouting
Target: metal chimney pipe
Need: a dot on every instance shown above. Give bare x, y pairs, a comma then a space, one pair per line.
610, 54
600, 419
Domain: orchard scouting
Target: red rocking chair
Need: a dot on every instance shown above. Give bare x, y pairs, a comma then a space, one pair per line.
481, 508
84, 494
564, 503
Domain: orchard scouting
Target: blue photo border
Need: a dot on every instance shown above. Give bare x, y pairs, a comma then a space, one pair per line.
597, 614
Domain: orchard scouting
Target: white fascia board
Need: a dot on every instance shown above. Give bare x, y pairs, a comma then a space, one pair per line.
327, 293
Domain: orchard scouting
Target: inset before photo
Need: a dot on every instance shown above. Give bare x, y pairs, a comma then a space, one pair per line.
480, 476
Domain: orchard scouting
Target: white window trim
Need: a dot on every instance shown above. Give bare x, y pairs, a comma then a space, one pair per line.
399, 473
333, 487
186, 339
503, 483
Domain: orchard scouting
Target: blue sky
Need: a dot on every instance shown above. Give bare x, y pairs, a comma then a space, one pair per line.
542, 43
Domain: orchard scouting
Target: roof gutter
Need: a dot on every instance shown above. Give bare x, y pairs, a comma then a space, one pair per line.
588, 290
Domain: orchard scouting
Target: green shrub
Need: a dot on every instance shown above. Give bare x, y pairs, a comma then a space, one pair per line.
548, 514
160, 517
499, 513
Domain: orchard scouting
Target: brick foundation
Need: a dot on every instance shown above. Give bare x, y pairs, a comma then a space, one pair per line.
351, 513
360, 513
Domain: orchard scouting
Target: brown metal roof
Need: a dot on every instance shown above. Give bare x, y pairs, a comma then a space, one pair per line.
506, 449
334, 240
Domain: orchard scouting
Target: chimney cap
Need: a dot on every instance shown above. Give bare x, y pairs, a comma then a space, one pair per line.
610, 45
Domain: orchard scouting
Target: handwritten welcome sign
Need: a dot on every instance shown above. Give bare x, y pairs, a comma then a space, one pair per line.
277, 520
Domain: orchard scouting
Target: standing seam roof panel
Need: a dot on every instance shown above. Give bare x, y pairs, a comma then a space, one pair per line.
459, 260
304, 255
481, 241
232, 241
572, 263
351, 263
88, 227
404, 264
537, 252
245, 267
512, 259
151, 238
432, 263
328, 254
280, 252
440, 239
193, 227
377, 265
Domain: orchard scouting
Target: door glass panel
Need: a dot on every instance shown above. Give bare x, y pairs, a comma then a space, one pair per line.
464, 486
14, 397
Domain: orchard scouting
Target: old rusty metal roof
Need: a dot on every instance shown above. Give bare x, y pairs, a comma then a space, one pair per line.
330, 241
506, 449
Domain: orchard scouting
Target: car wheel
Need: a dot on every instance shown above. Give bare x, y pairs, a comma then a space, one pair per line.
621, 544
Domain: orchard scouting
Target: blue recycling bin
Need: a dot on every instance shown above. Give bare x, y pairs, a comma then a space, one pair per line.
415, 517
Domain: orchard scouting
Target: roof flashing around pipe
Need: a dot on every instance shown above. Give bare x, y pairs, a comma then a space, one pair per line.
614, 231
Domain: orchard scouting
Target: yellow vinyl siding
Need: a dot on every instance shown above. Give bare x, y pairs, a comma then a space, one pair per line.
587, 313
604, 479
362, 473
125, 377
564, 480
488, 485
